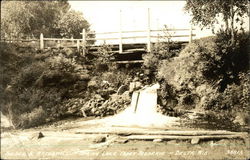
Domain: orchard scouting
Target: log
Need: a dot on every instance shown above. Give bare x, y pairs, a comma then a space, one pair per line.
126, 131
165, 137
132, 61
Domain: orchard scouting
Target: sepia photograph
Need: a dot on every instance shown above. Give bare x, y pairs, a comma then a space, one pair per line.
125, 80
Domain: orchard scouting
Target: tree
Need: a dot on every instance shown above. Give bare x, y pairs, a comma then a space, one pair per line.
72, 23
206, 13
30, 18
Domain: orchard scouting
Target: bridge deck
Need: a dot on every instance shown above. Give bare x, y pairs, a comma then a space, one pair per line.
132, 53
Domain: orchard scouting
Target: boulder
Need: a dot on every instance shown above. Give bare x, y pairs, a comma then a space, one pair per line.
100, 139
40, 135
157, 140
119, 140
121, 89
195, 140
84, 77
134, 86
92, 83
37, 135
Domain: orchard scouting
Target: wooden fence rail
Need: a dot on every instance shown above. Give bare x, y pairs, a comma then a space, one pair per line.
148, 35
78, 43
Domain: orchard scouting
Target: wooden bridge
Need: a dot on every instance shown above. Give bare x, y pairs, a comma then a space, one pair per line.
125, 48
122, 46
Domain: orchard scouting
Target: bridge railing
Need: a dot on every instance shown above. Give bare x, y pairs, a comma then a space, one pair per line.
149, 37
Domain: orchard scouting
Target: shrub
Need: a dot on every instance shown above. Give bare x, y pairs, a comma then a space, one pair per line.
32, 119
11, 62
116, 78
28, 100
236, 96
151, 61
28, 75
160, 51
39, 87
207, 73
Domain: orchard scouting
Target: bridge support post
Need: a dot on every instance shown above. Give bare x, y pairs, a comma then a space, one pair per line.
83, 41
41, 42
149, 33
78, 45
120, 33
72, 40
191, 34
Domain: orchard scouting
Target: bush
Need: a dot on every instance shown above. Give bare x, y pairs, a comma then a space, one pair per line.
237, 97
207, 74
40, 86
28, 75
28, 100
11, 62
116, 78
160, 51
32, 119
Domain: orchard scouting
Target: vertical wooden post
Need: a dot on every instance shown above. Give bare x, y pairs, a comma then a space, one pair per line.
149, 34
191, 34
78, 45
41, 41
72, 40
83, 41
248, 9
120, 33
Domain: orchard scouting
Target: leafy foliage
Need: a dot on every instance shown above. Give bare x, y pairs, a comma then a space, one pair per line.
104, 53
34, 89
26, 120
30, 18
164, 49
205, 13
208, 13
72, 23
40, 87
206, 74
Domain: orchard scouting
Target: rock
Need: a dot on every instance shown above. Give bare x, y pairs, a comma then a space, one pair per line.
126, 95
157, 140
37, 136
121, 140
242, 119
195, 140
147, 71
131, 87
84, 77
100, 139
224, 142
134, 86
172, 142
40, 135
121, 89
135, 79
92, 83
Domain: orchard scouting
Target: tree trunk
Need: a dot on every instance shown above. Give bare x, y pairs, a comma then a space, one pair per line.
227, 24
232, 23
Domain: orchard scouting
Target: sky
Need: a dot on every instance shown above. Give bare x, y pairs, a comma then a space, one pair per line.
104, 16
